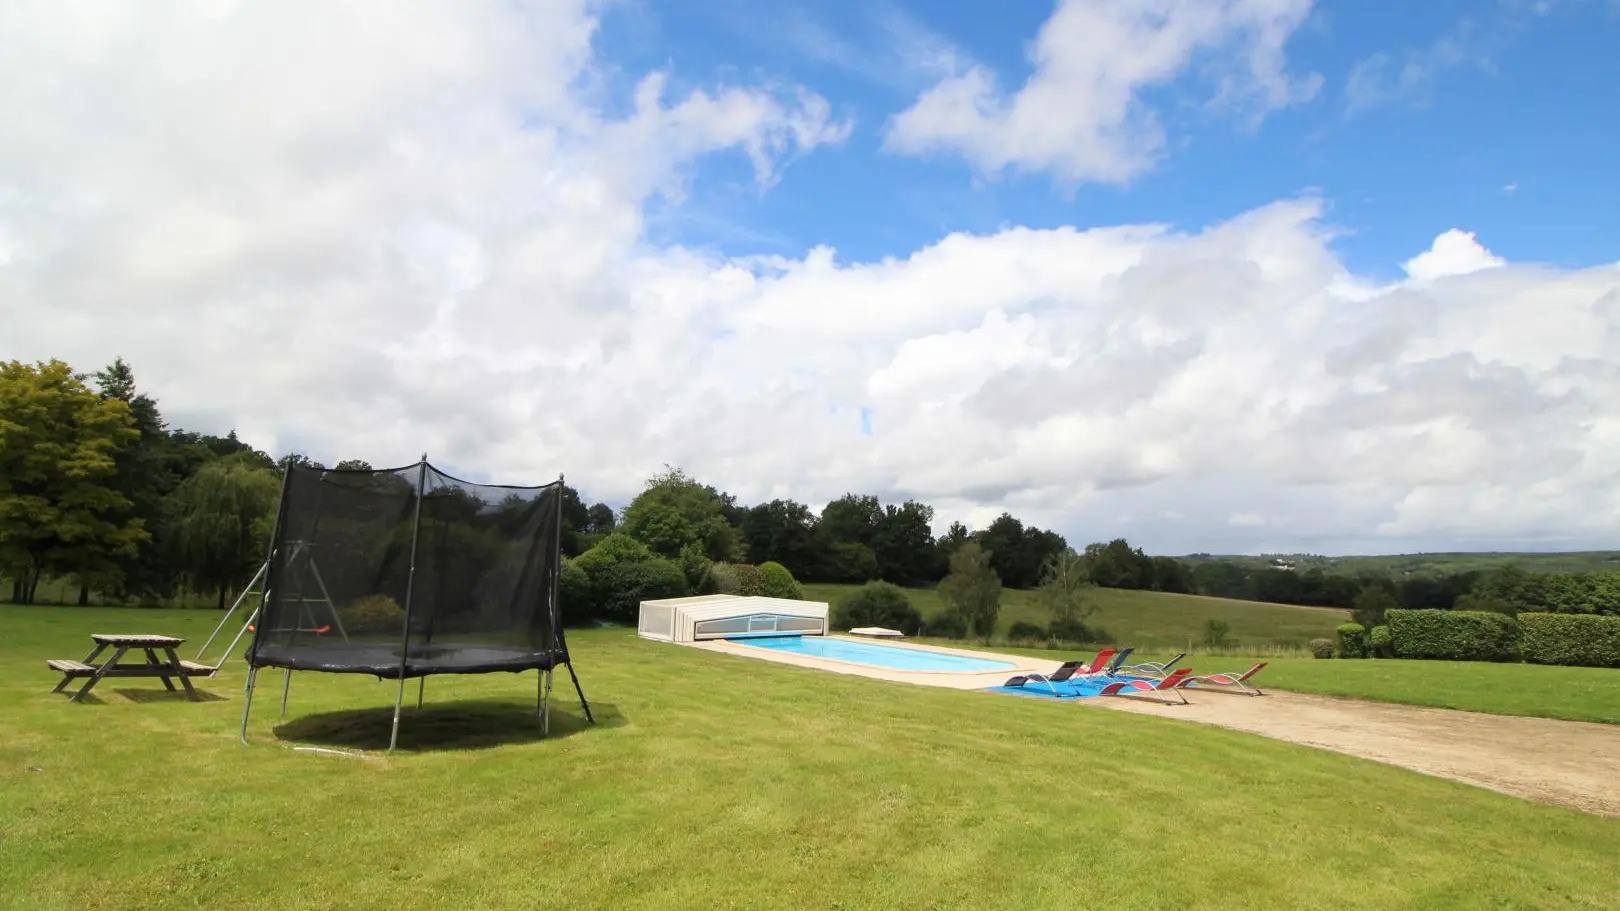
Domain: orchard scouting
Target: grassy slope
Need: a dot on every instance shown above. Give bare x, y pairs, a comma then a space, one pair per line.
1437, 563
720, 782
1152, 618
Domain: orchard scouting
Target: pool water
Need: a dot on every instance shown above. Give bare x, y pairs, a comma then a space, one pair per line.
875, 655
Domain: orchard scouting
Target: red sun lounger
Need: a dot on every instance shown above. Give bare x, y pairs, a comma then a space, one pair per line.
1226, 682
1170, 684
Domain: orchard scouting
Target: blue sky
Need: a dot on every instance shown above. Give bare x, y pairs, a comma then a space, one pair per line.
1508, 126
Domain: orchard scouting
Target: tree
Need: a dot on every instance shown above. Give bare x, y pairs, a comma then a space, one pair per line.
1170, 575
972, 589
354, 465
222, 518
675, 510
59, 447
851, 519
1118, 565
784, 531
146, 471
904, 544
1372, 603
1017, 552
599, 519
1065, 589
576, 516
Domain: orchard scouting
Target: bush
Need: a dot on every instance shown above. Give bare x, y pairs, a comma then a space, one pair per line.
1216, 632
618, 590
1026, 631
1454, 635
1072, 629
622, 572
1352, 640
1381, 643
1322, 648
574, 591
948, 624
777, 582
877, 604
1579, 640
373, 614
739, 579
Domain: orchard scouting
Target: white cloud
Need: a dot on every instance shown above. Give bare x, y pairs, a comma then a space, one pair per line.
414, 233
1453, 253
1080, 114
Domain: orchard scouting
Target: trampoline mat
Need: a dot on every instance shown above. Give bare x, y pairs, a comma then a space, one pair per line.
382, 659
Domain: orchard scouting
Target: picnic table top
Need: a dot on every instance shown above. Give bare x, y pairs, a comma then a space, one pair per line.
136, 641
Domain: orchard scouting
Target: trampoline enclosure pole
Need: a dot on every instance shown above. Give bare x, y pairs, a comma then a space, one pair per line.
247, 700
286, 686
410, 585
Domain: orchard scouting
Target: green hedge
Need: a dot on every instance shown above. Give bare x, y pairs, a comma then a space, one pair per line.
1454, 635
1582, 640
1381, 643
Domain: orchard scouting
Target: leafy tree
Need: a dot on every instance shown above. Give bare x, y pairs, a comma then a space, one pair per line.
354, 465
1066, 588
675, 510
59, 448
1017, 552
972, 589
576, 518
295, 460
784, 531
222, 518
1372, 603
904, 544
1118, 565
599, 519
1170, 575
622, 573
147, 471
851, 519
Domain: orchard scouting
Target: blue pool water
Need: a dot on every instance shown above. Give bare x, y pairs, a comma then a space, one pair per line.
876, 655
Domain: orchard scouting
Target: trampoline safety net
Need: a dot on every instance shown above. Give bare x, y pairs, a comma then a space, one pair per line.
408, 572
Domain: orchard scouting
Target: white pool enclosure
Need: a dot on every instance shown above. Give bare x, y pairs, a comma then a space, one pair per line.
730, 617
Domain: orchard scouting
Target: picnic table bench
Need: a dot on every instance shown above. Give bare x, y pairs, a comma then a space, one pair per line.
168, 668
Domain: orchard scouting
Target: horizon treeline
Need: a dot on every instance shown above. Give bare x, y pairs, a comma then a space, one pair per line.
96, 489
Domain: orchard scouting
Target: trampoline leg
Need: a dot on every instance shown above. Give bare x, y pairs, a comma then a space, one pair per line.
399, 699
545, 702
286, 685
247, 701
578, 689
421, 687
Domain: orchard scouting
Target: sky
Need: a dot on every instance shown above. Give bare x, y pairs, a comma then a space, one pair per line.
1230, 276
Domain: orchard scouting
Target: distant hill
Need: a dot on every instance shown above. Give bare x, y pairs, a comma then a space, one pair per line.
1428, 563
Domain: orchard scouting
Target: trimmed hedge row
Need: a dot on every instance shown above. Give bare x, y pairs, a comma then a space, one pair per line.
1454, 635
1581, 640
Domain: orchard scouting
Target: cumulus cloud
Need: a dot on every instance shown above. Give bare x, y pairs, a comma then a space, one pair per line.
1454, 253
1080, 115
420, 231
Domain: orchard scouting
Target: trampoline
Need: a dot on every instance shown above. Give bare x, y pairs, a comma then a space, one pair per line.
409, 572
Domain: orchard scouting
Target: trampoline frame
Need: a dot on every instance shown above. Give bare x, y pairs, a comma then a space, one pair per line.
543, 683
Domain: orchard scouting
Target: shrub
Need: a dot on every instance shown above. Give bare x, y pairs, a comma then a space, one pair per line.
877, 604
618, 590
1072, 629
1322, 648
1025, 630
373, 614
1216, 632
777, 582
739, 579
1381, 643
1352, 640
948, 624
1581, 640
574, 591
1454, 635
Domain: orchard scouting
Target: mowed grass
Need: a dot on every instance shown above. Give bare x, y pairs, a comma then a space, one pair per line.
1148, 619
717, 782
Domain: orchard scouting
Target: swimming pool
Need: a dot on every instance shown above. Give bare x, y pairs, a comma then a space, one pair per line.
875, 655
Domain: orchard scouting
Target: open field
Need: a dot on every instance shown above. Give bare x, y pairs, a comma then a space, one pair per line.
1439, 563
717, 782
1149, 619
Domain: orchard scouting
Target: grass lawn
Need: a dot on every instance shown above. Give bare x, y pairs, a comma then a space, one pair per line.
717, 782
1149, 619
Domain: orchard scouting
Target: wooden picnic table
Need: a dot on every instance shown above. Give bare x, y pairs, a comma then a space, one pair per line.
170, 667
